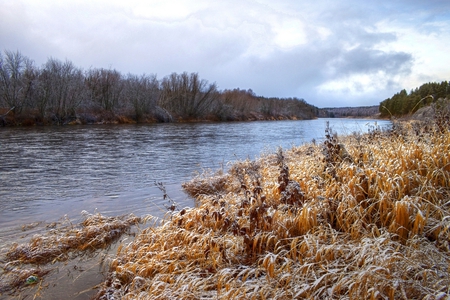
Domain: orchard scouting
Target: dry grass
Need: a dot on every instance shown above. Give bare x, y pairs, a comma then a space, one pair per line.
16, 277
64, 241
96, 231
360, 217
208, 183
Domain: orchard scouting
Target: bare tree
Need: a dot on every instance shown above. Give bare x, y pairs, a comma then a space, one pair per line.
143, 93
243, 102
43, 92
61, 89
13, 84
187, 96
105, 87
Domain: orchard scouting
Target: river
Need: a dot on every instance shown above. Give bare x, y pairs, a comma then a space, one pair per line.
50, 172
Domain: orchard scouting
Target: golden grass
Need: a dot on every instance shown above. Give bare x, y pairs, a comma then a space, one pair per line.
64, 241
363, 217
96, 231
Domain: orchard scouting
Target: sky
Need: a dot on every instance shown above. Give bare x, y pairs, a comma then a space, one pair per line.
330, 53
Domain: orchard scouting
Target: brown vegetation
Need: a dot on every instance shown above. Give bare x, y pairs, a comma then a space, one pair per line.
61, 93
360, 217
62, 242
350, 112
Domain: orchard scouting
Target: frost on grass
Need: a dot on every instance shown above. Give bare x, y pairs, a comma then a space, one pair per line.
96, 231
357, 217
63, 242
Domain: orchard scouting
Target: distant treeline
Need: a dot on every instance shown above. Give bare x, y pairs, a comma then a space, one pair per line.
59, 93
345, 112
404, 103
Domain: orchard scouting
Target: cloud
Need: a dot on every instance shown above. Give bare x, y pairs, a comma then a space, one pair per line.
329, 53
369, 61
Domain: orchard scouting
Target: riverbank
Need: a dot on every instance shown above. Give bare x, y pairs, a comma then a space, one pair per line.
357, 217
8, 120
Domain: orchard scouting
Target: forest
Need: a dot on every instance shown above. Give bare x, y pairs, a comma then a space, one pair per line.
404, 103
60, 93
346, 112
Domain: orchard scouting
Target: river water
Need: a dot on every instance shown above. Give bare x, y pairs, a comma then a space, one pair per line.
50, 172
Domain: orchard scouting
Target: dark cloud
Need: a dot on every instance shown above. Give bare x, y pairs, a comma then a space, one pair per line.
368, 61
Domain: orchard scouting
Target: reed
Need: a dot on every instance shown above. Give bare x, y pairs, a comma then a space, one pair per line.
357, 217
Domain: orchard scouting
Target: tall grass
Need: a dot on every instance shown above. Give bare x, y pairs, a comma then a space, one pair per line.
357, 217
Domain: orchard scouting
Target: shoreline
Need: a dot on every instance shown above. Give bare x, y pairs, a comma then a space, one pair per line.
123, 119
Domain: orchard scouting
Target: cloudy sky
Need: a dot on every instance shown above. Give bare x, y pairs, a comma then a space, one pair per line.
331, 53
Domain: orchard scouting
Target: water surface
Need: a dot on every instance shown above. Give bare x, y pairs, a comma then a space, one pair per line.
49, 172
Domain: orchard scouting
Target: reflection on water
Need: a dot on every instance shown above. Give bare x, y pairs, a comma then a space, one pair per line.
49, 172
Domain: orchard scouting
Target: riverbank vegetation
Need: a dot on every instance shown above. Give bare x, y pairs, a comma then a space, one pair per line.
27, 264
404, 103
61, 93
350, 112
356, 217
